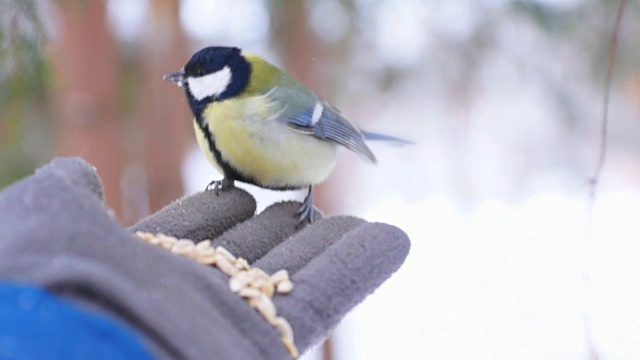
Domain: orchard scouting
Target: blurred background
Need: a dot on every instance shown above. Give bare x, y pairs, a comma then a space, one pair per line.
510, 258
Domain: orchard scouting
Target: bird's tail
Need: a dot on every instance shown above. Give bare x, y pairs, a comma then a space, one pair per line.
391, 140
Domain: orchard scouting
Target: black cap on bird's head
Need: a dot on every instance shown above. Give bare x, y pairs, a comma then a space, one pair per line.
212, 74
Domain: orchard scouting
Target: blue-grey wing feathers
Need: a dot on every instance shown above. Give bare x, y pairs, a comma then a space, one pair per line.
305, 113
392, 140
332, 126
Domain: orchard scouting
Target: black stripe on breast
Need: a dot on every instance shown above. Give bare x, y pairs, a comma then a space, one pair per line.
229, 171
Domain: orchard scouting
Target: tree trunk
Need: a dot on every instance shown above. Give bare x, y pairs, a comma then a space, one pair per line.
166, 118
85, 92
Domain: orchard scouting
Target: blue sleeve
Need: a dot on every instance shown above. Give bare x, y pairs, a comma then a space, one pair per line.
35, 324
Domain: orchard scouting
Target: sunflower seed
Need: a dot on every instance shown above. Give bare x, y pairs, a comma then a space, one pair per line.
286, 335
165, 241
268, 289
206, 259
203, 245
183, 246
285, 287
239, 281
265, 306
225, 265
249, 293
224, 252
279, 276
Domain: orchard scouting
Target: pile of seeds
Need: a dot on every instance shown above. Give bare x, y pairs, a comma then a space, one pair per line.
252, 284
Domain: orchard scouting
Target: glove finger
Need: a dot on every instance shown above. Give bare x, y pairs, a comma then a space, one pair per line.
75, 172
31, 208
342, 276
297, 251
255, 237
201, 216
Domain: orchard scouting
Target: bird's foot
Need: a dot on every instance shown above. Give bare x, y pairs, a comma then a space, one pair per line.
306, 211
223, 184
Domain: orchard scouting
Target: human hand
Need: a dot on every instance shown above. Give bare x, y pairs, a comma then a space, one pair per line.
182, 309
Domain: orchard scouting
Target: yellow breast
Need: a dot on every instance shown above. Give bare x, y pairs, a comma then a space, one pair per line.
252, 141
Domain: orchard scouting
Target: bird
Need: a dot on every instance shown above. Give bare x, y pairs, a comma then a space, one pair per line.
257, 124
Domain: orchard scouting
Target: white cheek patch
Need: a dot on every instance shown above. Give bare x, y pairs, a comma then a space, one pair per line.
317, 113
210, 85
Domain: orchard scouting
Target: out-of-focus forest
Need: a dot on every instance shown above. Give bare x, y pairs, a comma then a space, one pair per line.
503, 99
82, 78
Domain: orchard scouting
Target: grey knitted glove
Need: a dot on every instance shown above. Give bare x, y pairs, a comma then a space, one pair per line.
55, 232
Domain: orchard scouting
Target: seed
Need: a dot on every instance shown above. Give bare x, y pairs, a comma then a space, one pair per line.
265, 306
206, 259
279, 276
225, 265
145, 236
206, 251
257, 273
256, 281
249, 293
203, 245
192, 252
183, 246
224, 252
165, 241
239, 281
291, 347
284, 328
268, 289
285, 287
286, 335
242, 264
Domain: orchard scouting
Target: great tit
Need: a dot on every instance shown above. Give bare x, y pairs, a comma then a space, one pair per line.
258, 125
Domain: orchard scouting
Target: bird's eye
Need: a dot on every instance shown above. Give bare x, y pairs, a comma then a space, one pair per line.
200, 72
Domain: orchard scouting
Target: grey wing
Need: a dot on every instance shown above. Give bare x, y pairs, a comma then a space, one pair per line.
319, 119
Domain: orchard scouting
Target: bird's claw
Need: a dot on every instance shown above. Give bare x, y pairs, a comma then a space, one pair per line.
216, 185
306, 211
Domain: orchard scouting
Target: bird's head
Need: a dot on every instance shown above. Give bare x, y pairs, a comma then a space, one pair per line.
212, 74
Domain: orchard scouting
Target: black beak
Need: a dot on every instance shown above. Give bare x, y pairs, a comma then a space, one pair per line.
175, 77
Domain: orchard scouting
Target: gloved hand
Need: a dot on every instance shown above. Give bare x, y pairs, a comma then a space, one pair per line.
56, 232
